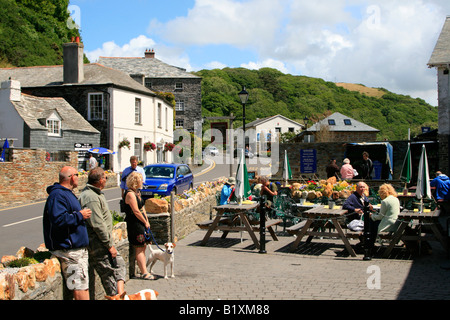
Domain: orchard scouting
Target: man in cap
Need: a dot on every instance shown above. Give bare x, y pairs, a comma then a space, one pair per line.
227, 190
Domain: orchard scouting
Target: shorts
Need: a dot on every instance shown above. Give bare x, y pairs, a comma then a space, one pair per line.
74, 267
101, 261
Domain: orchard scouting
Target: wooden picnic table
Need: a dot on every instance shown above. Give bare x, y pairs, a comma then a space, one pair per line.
236, 211
419, 220
316, 218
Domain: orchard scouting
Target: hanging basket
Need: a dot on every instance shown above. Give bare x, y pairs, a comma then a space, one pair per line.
124, 143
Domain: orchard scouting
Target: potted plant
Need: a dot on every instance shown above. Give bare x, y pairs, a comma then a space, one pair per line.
124, 143
149, 146
168, 146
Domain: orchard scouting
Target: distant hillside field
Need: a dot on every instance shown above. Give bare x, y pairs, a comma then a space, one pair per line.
371, 92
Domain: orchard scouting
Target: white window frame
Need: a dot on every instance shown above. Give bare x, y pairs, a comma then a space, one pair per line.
158, 116
178, 86
179, 123
91, 115
137, 111
179, 105
53, 127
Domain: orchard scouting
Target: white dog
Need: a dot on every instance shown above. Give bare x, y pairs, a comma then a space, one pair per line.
167, 257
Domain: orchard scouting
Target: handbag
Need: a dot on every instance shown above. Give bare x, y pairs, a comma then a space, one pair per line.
356, 225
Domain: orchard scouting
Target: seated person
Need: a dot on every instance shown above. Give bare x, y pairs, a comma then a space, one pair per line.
385, 220
442, 192
227, 191
355, 203
268, 189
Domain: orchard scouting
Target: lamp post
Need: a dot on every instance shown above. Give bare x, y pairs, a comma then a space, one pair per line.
243, 95
305, 121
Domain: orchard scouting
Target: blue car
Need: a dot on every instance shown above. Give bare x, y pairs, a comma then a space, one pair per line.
162, 178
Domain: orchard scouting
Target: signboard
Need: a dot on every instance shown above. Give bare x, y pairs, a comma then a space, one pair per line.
82, 149
308, 160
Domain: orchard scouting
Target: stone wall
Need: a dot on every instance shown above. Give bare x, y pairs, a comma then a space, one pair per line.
43, 281
26, 177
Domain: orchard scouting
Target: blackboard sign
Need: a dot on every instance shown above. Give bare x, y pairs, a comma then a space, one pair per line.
308, 160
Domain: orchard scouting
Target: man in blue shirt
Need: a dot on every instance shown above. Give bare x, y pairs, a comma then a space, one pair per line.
355, 202
227, 189
442, 192
134, 167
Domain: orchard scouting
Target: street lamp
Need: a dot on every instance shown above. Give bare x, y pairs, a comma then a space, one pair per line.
243, 95
305, 121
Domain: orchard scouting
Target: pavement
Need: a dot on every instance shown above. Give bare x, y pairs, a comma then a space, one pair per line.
233, 269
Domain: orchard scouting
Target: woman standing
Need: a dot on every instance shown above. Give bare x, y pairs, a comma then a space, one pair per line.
137, 221
347, 170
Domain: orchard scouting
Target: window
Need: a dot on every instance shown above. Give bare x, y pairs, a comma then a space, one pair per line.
179, 86
347, 122
95, 107
179, 105
291, 129
166, 118
137, 111
54, 127
331, 122
179, 123
148, 83
138, 147
158, 119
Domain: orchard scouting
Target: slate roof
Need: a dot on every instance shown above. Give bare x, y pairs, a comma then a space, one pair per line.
32, 108
355, 126
149, 67
94, 74
441, 52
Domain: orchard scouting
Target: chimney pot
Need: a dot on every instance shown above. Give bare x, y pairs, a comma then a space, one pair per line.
149, 54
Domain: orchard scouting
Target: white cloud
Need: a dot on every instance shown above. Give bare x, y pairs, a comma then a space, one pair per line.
386, 44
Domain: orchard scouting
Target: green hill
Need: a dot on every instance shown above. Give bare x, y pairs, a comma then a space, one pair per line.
32, 32
272, 92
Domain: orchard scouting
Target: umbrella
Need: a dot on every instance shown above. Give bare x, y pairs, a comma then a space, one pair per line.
5, 146
423, 190
287, 173
242, 189
405, 175
101, 151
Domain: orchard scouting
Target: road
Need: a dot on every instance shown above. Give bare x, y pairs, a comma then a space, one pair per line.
22, 225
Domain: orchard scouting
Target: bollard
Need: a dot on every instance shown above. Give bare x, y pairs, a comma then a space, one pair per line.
368, 241
262, 226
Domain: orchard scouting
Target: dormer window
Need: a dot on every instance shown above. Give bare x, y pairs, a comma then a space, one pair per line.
53, 125
331, 122
347, 122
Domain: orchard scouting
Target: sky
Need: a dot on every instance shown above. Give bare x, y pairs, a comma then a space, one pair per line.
379, 43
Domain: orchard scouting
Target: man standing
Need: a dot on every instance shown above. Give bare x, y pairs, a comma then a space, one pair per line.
134, 167
332, 169
103, 256
367, 166
92, 161
65, 233
442, 192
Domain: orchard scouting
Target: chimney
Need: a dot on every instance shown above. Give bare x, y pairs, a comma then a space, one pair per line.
149, 54
12, 89
73, 61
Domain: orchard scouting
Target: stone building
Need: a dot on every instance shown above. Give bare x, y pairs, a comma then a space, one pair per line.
440, 59
110, 100
161, 77
51, 124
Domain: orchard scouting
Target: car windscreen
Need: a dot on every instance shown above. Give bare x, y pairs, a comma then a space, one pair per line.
159, 172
